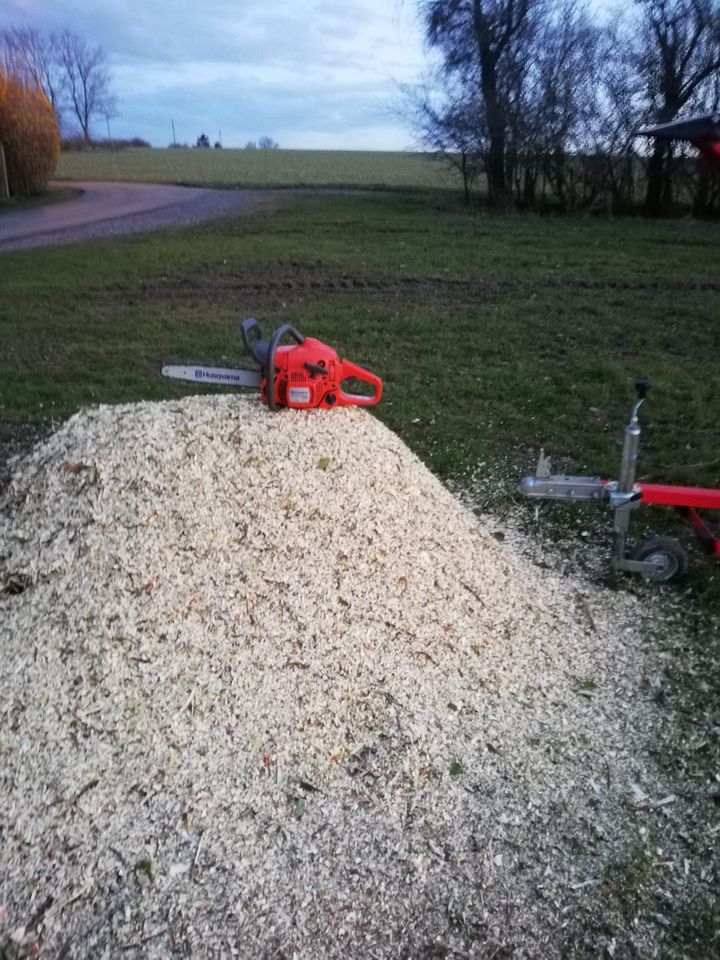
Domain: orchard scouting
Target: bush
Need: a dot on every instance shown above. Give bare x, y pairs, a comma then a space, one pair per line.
29, 134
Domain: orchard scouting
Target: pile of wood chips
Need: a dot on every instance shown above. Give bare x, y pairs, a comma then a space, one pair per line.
269, 690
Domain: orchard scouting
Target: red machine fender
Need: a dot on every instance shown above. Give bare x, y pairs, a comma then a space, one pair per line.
702, 131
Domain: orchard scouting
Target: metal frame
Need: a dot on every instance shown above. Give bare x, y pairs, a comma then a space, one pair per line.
624, 496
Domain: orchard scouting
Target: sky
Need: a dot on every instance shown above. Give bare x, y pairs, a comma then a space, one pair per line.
311, 74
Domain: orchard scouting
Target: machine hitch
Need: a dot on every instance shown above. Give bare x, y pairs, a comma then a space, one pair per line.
660, 559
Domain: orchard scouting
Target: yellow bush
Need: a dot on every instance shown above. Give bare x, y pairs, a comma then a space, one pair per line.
29, 135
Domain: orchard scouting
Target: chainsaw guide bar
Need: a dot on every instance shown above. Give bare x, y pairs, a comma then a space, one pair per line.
221, 375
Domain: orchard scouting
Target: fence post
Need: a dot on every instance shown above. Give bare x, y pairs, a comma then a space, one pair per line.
4, 188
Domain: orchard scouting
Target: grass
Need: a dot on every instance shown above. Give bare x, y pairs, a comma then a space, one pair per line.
260, 168
494, 335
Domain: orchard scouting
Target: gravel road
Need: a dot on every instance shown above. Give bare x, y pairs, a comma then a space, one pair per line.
113, 209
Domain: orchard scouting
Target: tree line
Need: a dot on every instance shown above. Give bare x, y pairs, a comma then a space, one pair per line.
72, 73
545, 100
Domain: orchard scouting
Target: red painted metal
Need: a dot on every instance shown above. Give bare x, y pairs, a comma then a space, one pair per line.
700, 498
311, 374
710, 149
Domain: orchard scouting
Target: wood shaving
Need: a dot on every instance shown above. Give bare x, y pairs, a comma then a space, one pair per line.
255, 708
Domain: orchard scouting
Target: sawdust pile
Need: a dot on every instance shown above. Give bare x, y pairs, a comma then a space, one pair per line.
269, 690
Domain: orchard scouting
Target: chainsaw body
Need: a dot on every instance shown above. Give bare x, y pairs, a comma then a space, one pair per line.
305, 374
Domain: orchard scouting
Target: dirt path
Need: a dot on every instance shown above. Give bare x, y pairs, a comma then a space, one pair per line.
112, 209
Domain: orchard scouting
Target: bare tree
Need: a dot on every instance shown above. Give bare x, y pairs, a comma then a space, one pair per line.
87, 80
520, 101
550, 101
450, 124
554, 102
678, 59
480, 42
32, 56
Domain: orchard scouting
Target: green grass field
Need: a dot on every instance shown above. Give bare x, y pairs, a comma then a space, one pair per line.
260, 168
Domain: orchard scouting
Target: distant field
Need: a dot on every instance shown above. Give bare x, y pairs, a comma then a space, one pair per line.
261, 168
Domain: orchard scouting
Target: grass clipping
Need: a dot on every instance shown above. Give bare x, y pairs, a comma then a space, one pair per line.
270, 690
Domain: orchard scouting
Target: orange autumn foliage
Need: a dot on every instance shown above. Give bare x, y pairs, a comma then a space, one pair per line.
29, 135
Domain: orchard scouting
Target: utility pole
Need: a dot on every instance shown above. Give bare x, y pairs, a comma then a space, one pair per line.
173, 126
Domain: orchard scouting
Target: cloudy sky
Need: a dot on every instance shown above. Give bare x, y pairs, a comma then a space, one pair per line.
309, 73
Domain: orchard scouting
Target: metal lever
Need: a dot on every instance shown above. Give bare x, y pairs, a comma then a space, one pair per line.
642, 385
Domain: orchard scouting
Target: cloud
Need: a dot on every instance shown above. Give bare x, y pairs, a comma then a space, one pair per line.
307, 73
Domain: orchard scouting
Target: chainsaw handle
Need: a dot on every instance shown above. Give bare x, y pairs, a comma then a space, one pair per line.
253, 342
275, 339
252, 339
347, 370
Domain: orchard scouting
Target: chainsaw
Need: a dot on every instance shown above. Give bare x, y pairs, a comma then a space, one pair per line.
303, 375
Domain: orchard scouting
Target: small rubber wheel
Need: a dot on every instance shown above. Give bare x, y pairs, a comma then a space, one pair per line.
667, 556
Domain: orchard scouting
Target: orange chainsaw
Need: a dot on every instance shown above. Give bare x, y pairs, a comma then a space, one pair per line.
304, 374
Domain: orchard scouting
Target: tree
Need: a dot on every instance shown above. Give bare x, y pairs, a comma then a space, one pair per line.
678, 59
481, 42
449, 124
551, 104
87, 80
548, 101
32, 57
203, 140
516, 93
267, 143
613, 120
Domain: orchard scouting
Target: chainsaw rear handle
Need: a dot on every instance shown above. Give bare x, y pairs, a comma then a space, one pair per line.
350, 370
